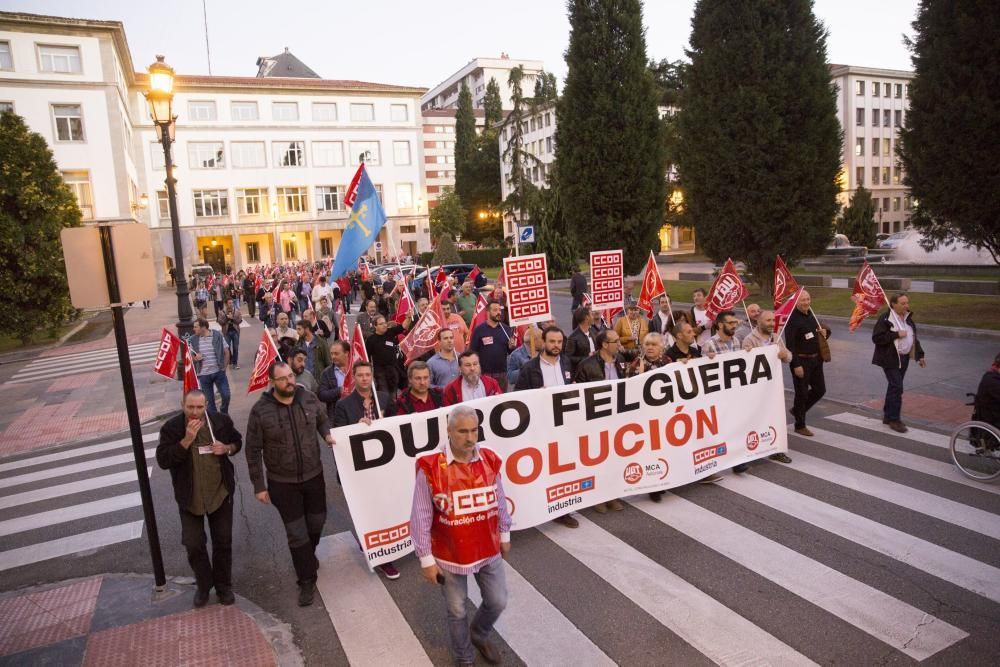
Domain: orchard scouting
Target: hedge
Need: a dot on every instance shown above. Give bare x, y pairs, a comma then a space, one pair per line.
484, 257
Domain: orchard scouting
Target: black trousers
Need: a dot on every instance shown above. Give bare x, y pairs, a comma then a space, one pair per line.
302, 507
387, 379
251, 303
808, 389
217, 571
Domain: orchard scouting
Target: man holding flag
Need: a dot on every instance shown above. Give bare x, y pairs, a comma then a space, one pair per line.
802, 335
896, 343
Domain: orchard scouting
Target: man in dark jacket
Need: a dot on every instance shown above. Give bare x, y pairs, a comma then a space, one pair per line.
605, 364
204, 483
896, 342
987, 403
582, 340
281, 436
802, 334
577, 288
419, 396
548, 368
331, 382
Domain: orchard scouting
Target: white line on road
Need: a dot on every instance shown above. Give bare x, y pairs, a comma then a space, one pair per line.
71, 469
359, 606
33, 375
70, 545
60, 490
72, 453
915, 434
71, 513
902, 626
963, 516
945, 564
692, 615
97, 355
521, 626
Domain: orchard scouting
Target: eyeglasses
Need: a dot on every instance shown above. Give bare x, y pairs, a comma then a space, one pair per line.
612, 342
285, 378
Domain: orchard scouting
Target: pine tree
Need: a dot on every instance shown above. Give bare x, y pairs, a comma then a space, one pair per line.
759, 151
516, 203
545, 89
465, 147
449, 217
857, 220
446, 252
950, 143
493, 104
35, 206
551, 238
608, 143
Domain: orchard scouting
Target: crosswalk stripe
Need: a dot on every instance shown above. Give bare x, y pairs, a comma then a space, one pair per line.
963, 516
112, 351
72, 469
60, 490
71, 544
915, 434
28, 375
906, 628
687, 611
958, 569
359, 606
72, 453
67, 514
89, 356
526, 614
903, 459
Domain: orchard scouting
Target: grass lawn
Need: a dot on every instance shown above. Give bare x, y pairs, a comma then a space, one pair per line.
11, 343
959, 310
885, 271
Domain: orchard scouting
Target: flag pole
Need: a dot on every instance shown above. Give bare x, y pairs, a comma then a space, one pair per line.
208, 422
798, 293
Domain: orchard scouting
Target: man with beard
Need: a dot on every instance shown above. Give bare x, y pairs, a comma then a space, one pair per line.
550, 368
492, 341
684, 347
725, 339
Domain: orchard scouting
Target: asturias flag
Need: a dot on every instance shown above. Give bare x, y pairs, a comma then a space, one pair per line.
363, 225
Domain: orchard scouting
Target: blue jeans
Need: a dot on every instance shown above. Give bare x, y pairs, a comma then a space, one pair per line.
209, 383
493, 586
894, 392
233, 340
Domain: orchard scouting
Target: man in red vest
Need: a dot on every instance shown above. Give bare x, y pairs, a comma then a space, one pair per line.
461, 526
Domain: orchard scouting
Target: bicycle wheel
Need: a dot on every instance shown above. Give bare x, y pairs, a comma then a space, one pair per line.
975, 449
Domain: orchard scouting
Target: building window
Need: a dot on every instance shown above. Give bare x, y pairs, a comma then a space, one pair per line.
875, 144
548, 120
439, 129
291, 251
324, 111
906, 91
886, 117
401, 152
253, 252
885, 176
886, 89
362, 112
79, 183
404, 195
162, 204
203, 110
886, 147
859, 87
328, 153
885, 204
359, 147
899, 91
859, 118
875, 88
60, 59
398, 112
248, 154
897, 174
245, 111
907, 203
378, 191
859, 175
329, 198
407, 229
6, 60
251, 201
292, 200
874, 117
290, 154
531, 123
69, 122
859, 147
211, 203
285, 110
206, 155
6, 106
326, 247
897, 118
548, 144
896, 203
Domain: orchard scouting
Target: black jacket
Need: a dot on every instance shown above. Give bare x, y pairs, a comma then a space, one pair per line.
284, 438
988, 399
530, 376
591, 369
171, 456
577, 347
657, 322
351, 408
329, 390
797, 336
577, 286
884, 337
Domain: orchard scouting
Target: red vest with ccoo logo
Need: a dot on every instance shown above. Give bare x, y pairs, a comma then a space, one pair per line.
466, 527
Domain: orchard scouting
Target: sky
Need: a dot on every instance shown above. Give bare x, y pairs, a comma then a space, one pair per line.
422, 43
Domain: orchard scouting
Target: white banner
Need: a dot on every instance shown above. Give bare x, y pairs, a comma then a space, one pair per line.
571, 447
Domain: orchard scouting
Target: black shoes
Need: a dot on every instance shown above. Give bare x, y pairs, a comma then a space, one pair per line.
200, 598
898, 426
306, 590
656, 496
743, 467
225, 596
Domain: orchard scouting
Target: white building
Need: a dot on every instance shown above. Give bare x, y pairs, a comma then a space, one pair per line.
476, 75
872, 105
538, 134
262, 162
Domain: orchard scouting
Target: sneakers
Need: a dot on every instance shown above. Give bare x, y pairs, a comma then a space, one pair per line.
389, 570
780, 457
898, 427
200, 598
569, 521
656, 496
616, 505
306, 590
743, 467
225, 596
804, 431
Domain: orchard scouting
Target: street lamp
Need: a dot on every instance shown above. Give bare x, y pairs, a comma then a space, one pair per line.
161, 98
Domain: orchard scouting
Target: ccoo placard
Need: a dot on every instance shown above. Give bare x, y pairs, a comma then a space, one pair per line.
527, 283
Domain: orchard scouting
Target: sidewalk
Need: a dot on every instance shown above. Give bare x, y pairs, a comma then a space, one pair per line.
114, 620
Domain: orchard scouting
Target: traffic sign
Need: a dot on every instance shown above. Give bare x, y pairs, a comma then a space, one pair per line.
526, 234
378, 246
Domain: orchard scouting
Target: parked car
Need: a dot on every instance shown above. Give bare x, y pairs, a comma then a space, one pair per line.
881, 237
202, 271
459, 271
897, 239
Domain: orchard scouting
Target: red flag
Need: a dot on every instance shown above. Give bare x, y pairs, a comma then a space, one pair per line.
341, 320
441, 279
357, 353
586, 301
868, 296
784, 282
610, 314
431, 286
479, 313
352, 189
502, 277
652, 286
519, 333
257, 282
784, 311
405, 306
727, 291
423, 335
166, 355
266, 354
473, 275
366, 273
190, 377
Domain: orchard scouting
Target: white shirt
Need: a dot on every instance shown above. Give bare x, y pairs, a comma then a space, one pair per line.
701, 319
552, 375
905, 344
470, 392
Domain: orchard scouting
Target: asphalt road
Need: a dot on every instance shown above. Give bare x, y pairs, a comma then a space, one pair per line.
819, 560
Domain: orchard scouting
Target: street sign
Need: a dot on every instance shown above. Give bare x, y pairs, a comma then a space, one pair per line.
527, 284
526, 234
85, 272
378, 246
607, 279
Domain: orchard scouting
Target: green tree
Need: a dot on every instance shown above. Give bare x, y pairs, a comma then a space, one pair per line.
668, 81
950, 143
608, 144
493, 104
759, 152
857, 220
446, 252
546, 91
516, 203
35, 206
449, 217
466, 144
551, 238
